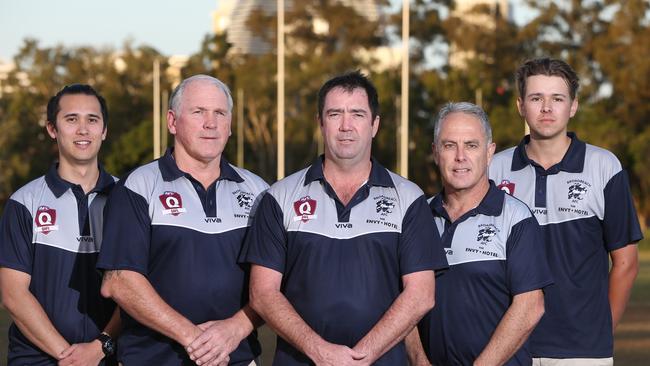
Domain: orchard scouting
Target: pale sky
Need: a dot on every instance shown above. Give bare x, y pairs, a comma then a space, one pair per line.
171, 26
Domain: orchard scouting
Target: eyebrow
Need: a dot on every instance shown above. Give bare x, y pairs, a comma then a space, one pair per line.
542, 94
75, 114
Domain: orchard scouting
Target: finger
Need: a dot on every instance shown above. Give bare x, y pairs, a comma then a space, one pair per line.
203, 352
67, 352
206, 325
198, 342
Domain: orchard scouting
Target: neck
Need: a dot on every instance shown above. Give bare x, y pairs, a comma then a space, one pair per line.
206, 172
85, 175
459, 202
548, 152
346, 179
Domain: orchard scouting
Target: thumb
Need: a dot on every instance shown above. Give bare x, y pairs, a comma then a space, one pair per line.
357, 355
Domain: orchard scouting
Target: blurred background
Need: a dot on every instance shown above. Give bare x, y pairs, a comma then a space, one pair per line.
135, 52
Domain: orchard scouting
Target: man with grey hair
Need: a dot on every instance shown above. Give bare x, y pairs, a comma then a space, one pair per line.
174, 229
491, 297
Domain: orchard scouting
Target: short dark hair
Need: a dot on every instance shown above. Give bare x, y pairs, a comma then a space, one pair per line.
549, 67
350, 81
53, 106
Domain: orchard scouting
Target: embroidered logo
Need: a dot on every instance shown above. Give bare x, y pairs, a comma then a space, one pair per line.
577, 191
45, 220
384, 205
507, 186
305, 209
172, 203
244, 199
485, 233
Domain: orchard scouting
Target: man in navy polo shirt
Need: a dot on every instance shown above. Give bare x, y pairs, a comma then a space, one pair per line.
343, 252
50, 234
491, 297
581, 197
174, 230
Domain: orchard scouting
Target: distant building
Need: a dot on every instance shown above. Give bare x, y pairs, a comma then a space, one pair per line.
232, 16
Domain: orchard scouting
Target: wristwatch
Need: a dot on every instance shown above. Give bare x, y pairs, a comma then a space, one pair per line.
108, 345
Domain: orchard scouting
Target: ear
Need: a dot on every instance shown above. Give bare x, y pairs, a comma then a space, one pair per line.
171, 121
375, 126
574, 107
490, 151
520, 106
51, 129
435, 152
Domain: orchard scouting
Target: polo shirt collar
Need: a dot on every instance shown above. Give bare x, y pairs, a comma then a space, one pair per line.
58, 185
379, 176
572, 162
490, 205
170, 171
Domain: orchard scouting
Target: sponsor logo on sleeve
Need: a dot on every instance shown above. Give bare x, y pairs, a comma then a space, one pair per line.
172, 203
45, 220
507, 186
305, 209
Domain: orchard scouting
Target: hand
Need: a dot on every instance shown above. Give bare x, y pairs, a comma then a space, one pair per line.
330, 354
218, 340
82, 354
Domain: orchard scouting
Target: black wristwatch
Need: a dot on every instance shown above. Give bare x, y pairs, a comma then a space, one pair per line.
108, 345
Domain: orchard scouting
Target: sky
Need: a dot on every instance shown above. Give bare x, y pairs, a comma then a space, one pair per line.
172, 27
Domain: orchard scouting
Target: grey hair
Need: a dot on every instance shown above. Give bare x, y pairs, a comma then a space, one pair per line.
462, 107
177, 94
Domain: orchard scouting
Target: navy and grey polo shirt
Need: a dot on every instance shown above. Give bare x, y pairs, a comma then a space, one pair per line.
185, 239
495, 252
342, 265
585, 209
52, 230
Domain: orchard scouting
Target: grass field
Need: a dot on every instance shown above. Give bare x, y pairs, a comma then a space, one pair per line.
631, 344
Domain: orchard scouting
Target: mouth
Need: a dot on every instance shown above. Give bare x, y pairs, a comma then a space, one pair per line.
82, 143
461, 170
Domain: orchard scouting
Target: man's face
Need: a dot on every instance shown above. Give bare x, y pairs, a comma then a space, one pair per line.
462, 153
79, 129
201, 125
547, 106
347, 126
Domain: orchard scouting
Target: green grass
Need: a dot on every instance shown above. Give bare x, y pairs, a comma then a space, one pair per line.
632, 338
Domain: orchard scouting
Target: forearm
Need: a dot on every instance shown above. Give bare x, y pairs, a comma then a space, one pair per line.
396, 323
247, 320
28, 314
133, 293
625, 267
280, 315
414, 349
33, 322
114, 326
514, 328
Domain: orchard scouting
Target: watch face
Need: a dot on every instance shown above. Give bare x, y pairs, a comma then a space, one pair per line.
108, 347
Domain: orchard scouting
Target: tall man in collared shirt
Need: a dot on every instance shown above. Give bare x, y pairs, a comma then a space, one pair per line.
174, 229
581, 197
491, 297
343, 252
50, 234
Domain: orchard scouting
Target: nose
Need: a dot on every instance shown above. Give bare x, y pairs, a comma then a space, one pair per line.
346, 122
460, 154
82, 127
546, 105
209, 121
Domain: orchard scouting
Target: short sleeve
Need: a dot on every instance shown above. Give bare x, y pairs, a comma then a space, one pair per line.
420, 247
127, 232
16, 230
620, 222
266, 241
527, 263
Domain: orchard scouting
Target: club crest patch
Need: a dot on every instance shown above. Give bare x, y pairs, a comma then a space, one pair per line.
305, 209
45, 220
172, 203
507, 186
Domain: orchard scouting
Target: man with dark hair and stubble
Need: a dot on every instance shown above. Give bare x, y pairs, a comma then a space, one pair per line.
50, 236
174, 230
580, 194
343, 252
